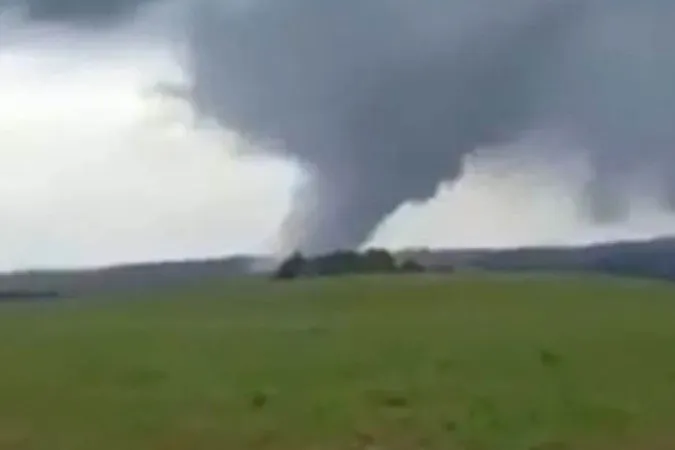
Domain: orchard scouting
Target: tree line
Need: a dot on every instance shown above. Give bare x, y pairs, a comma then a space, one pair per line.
344, 262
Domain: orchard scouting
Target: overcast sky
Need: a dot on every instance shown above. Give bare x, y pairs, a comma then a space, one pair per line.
96, 168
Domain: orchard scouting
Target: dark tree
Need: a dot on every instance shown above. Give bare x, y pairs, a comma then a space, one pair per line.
291, 268
336, 263
342, 262
378, 261
412, 266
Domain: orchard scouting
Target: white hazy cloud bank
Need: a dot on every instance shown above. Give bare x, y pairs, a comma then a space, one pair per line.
520, 201
95, 169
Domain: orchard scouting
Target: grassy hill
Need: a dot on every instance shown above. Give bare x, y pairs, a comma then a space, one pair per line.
128, 278
499, 362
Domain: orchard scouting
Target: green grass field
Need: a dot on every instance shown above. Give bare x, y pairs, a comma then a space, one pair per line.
374, 363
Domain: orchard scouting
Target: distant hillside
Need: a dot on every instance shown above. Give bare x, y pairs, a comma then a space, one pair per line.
652, 259
129, 277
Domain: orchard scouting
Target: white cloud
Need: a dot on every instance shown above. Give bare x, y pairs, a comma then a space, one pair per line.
93, 170
519, 201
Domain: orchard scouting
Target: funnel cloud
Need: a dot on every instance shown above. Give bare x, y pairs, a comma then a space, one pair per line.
381, 101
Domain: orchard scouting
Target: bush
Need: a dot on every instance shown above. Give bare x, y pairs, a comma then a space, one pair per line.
291, 268
411, 266
344, 262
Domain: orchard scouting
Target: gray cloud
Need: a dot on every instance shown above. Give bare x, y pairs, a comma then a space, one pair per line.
381, 100
78, 12
615, 90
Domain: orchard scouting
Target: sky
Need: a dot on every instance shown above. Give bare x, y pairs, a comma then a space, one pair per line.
97, 167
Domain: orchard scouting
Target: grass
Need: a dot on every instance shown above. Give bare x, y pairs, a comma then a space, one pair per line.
375, 363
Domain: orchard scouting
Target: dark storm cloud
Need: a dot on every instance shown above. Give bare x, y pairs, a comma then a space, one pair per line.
616, 90
380, 100
82, 12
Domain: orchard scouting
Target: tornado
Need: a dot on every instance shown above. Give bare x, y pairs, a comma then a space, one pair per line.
380, 101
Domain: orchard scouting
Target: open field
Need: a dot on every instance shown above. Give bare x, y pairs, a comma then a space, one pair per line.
375, 363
